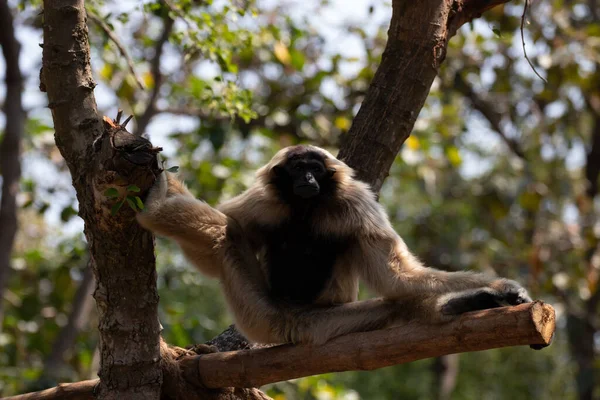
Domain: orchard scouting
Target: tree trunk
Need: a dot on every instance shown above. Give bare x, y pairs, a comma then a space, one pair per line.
10, 148
122, 253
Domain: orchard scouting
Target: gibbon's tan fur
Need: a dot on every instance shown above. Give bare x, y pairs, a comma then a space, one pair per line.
225, 243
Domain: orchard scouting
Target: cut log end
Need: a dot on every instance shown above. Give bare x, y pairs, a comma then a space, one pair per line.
544, 320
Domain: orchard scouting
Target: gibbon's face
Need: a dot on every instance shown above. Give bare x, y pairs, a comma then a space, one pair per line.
303, 174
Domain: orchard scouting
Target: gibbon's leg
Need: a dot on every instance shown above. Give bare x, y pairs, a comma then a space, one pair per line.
388, 267
171, 210
264, 320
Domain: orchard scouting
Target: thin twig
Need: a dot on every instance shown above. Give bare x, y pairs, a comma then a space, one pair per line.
523, 41
151, 110
111, 35
179, 12
490, 112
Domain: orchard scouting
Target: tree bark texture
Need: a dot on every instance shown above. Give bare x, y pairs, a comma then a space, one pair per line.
10, 148
531, 323
122, 253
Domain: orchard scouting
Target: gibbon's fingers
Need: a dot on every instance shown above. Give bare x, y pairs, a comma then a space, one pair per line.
175, 186
481, 299
172, 211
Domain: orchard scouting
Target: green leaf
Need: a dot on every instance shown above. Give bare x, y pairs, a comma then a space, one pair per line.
297, 59
111, 193
453, 156
67, 213
131, 203
173, 169
133, 188
115, 208
139, 203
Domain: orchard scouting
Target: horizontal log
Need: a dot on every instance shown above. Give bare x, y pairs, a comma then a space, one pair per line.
83, 390
526, 324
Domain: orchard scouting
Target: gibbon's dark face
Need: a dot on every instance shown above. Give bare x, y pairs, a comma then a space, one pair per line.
304, 175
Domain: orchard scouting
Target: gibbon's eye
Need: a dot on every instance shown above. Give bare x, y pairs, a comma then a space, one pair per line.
297, 167
316, 168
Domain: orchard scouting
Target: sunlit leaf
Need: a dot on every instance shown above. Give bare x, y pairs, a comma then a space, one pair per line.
282, 53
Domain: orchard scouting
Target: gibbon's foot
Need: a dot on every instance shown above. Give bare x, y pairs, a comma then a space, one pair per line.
199, 349
481, 299
194, 350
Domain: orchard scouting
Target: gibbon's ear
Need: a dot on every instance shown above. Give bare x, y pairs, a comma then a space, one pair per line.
331, 172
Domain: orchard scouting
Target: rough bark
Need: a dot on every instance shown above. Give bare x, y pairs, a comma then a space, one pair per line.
101, 157
10, 148
526, 324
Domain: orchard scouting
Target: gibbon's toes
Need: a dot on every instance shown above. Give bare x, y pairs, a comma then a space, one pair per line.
472, 301
516, 297
203, 349
511, 293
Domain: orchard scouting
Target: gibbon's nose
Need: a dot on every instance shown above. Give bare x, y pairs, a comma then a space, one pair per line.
309, 177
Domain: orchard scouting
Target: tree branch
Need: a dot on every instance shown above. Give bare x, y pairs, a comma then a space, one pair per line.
526, 324
83, 390
124, 53
151, 110
417, 41
103, 156
489, 112
10, 148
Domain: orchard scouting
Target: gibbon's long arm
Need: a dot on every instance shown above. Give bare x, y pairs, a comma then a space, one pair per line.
387, 266
172, 211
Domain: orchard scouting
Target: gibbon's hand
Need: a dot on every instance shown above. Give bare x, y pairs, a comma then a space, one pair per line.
502, 293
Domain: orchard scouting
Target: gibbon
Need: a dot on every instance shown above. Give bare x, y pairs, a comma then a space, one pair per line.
290, 251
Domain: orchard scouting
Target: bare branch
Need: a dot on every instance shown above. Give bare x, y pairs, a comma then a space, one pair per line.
523, 17
489, 111
83, 390
526, 324
10, 148
111, 35
151, 110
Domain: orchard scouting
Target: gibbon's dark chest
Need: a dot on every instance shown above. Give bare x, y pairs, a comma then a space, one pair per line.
299, 261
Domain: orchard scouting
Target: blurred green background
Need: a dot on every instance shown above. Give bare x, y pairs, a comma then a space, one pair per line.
499, 175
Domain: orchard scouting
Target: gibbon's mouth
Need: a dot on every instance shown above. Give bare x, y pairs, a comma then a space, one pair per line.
306, 191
